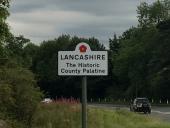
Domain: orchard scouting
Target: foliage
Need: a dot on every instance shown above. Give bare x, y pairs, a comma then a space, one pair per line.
18, 92
143, 61
45, 65
15, 45
4, 3
154, 13
114, 45
139, 65
28, 54
4, 29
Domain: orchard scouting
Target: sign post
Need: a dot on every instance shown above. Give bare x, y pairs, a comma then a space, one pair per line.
83, 62
84, 102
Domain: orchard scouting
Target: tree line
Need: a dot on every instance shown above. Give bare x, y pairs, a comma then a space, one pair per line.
19, 93
138, 60
139, 64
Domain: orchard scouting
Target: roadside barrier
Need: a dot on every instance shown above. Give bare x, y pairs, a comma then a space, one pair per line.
127, 101
122, 101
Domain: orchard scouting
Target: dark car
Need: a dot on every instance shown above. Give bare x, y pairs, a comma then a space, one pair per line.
140, 105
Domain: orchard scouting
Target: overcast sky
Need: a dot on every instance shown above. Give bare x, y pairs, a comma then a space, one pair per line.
41, 20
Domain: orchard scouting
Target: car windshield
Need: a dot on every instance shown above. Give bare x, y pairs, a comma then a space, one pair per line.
142, 100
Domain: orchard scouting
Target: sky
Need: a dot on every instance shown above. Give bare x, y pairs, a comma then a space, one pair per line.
41, 20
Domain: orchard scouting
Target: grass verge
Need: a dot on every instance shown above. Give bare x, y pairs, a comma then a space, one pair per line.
69, 116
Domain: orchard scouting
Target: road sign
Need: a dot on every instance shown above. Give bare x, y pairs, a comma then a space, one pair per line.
82, 62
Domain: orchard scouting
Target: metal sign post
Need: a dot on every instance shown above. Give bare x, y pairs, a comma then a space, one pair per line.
84, 102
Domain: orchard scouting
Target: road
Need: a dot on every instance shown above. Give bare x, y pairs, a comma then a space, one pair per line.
162, 113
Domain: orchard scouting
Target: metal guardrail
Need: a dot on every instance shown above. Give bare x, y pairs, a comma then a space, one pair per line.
127, 101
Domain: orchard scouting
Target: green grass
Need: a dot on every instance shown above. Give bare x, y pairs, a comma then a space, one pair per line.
69, 116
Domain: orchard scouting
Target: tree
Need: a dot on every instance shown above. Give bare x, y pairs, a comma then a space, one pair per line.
143, 12
142, 65
159, 63
153, 14
131, 64
158, 12
4, 3
4, 30
45, 66
15, 45
114, 44
14, 48
19, 94
29, 53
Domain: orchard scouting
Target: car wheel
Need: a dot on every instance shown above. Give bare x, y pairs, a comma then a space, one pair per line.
149, 111
145, 112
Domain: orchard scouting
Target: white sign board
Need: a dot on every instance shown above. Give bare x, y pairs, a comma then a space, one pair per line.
82, 62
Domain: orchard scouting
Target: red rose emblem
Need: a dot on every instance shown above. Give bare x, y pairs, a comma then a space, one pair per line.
82, 48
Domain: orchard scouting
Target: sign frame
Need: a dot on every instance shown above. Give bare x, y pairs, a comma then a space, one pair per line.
101, 70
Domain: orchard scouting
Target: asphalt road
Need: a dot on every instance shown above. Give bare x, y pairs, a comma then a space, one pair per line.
162, 113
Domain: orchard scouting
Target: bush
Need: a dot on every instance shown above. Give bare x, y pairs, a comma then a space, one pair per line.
19, 94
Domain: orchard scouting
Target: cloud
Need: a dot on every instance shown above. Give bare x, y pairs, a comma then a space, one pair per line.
42, 20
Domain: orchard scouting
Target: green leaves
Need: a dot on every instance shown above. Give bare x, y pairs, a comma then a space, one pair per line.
4, 30
4, 3
114, 45
45, 65
19, 94
143, 64
7, 101
153, 14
